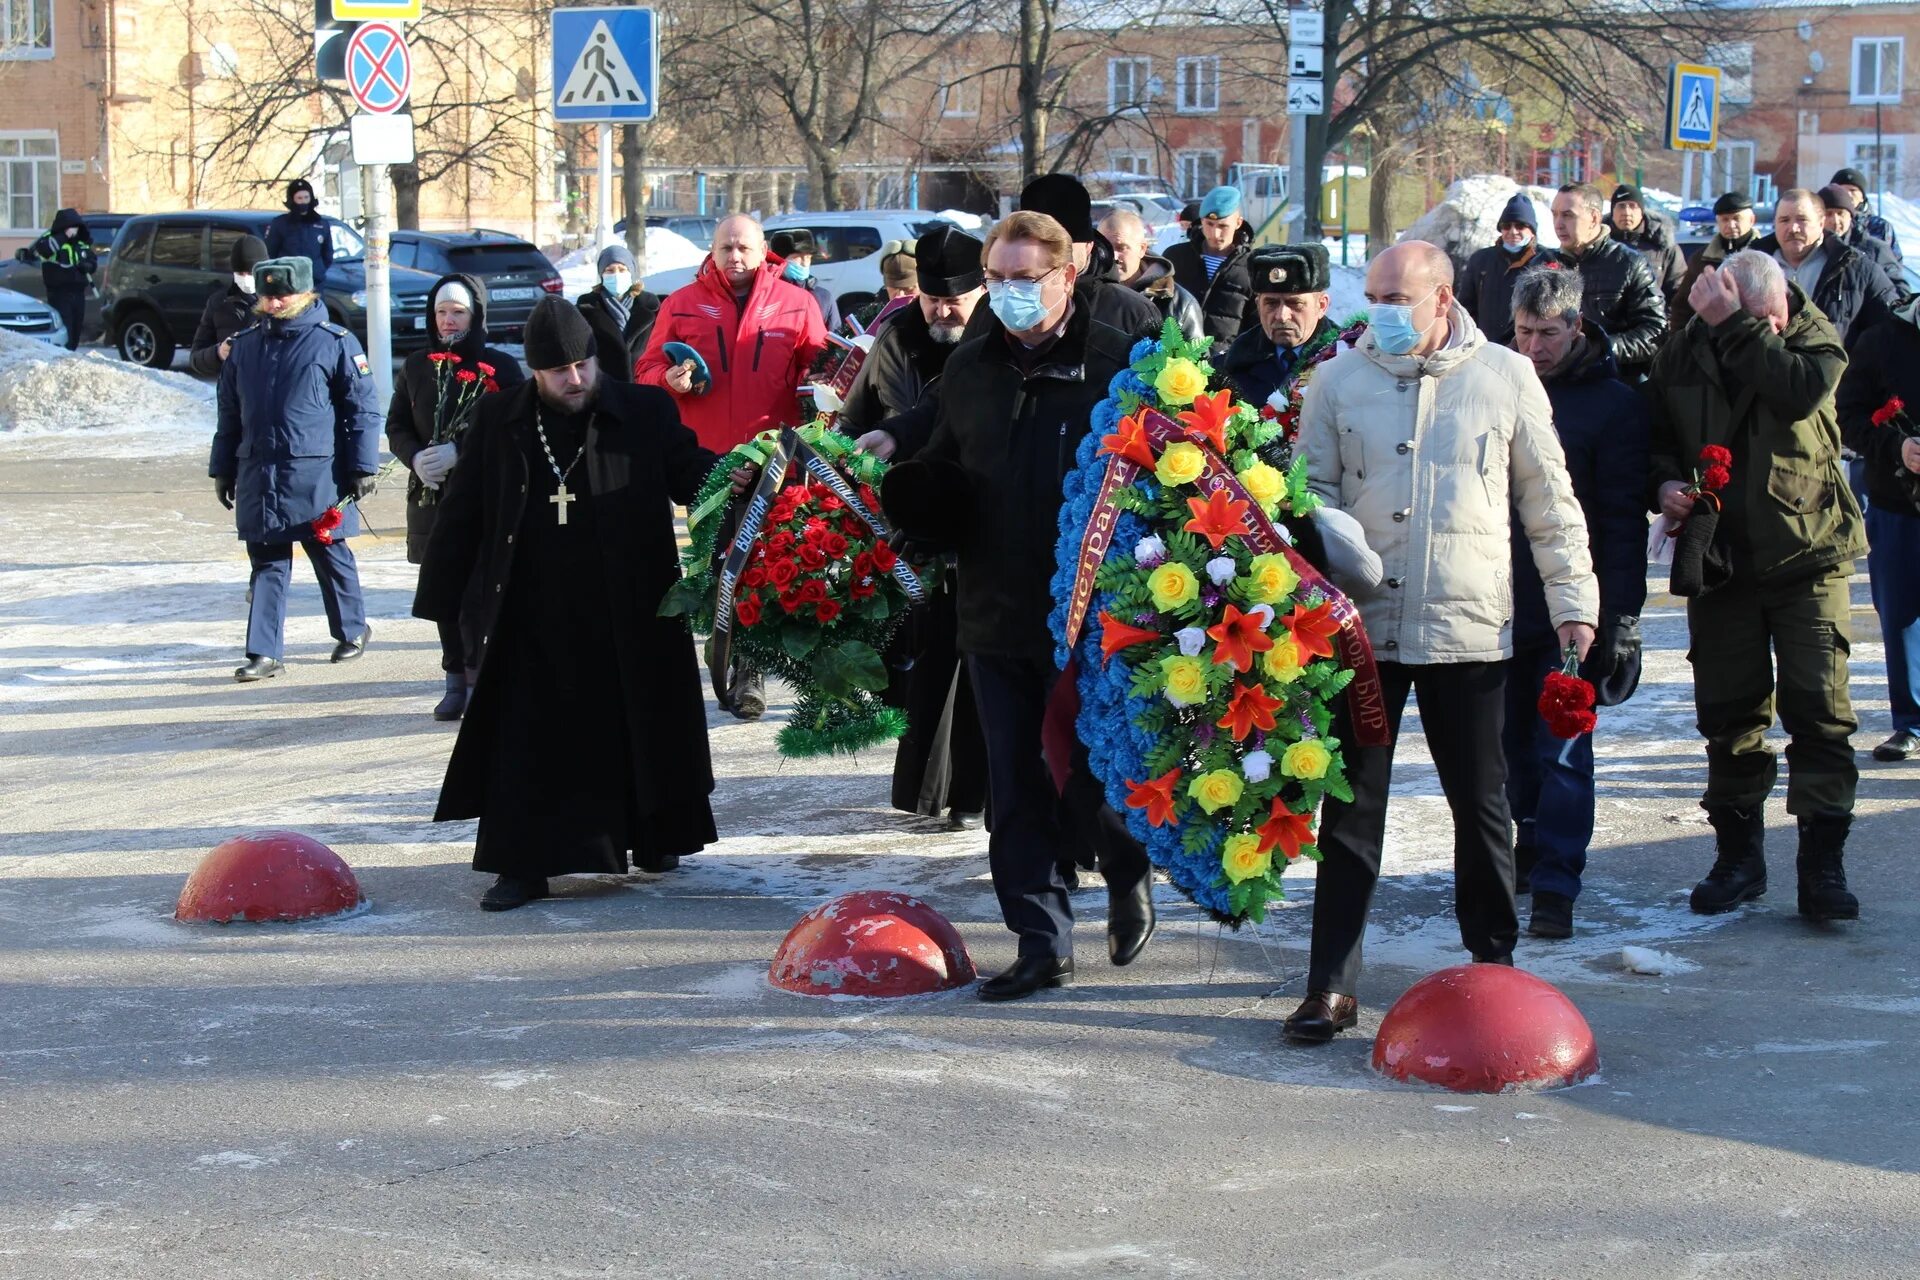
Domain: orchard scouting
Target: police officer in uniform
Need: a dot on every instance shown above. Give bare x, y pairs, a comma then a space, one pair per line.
299, 431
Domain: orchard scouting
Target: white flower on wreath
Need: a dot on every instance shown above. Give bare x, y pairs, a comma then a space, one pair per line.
1220, 570
1150, 551
1264, 612
1191, 641
1257, 767
1279, 400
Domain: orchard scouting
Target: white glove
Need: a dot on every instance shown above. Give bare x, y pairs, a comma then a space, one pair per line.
433, 463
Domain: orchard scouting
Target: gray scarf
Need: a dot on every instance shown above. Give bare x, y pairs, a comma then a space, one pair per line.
622, 306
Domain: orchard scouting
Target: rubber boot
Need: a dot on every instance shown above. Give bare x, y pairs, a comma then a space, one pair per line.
1823, 874
1740, 867
453, 703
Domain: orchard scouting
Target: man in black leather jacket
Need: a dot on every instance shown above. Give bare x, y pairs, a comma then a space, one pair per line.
1622, 296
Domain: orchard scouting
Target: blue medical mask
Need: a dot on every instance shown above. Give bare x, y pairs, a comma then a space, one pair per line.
1517, 249
1020, 304
794, 272
616, 283
1391, 325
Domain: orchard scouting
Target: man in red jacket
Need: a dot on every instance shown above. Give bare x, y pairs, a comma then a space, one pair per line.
757, 333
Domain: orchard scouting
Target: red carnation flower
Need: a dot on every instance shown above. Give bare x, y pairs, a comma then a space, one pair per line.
1566, 704
486, 370
1715, 477
826, 611
1889, 411
467, 375
490, 385
1716, 456
747, 609
441, 357
324, 526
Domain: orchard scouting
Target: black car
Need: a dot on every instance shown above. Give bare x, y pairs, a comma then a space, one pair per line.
24, 277
166, 265
516, 274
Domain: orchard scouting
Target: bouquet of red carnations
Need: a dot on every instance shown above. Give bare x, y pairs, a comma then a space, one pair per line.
456, 389
1566, 701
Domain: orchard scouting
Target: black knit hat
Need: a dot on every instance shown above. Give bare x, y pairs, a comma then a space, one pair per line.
947, 261
1063, 199
792, 240
1628, 193
248, 252
1732, 202
1834, 198
1290, 268
1851, 178
557, 335
282, 277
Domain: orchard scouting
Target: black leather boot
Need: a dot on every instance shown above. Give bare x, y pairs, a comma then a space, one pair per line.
1130, 917
453, 703
1823, 874
1740, 866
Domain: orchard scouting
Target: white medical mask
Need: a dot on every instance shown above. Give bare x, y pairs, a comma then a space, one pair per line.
616, 283
243, 281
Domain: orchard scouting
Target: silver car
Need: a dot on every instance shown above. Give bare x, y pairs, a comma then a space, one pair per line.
31, 318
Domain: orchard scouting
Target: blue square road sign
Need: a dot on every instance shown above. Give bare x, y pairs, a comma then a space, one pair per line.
606, 64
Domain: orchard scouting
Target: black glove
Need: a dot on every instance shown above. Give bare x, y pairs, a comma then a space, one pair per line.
1614, 662
223, 490
361, 487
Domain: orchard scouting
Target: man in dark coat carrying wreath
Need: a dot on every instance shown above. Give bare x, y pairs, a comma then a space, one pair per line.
585, 739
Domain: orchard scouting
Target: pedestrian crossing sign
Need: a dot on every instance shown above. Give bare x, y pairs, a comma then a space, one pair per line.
1693, 108
606, 64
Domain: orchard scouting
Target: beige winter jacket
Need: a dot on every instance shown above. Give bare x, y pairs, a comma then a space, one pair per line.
1431, 454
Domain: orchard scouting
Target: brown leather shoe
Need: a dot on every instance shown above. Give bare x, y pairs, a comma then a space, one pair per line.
1320, 1017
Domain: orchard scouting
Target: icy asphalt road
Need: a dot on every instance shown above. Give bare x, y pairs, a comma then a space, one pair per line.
604, 1084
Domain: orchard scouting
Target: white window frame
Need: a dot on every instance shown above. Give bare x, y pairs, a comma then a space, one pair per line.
10, 52
1880, 95
960, 96
1726, 172
46, 177
1894, 159
1735, 60
1205, 103
1191, 188
1140, 88
1131, 161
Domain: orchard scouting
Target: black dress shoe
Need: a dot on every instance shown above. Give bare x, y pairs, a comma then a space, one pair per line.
258, 669
657, 863
347, 650
966, 819
1552, 915
509, 892
1903, 745
1320, 1017
1130, 920
1028, 975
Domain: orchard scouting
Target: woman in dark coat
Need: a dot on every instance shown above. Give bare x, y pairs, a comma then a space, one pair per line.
228, 311
432, 405
621, 313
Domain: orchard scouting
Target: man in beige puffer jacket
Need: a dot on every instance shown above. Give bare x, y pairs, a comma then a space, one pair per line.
1434, 440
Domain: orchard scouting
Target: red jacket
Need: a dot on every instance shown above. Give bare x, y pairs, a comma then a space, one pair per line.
758, 354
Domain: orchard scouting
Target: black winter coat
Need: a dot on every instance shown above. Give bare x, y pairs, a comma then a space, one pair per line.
1654, 242
302, 235
902, 365
228, 312
1885, 363
1851, 291
416, 414
1226, 301
1875, 250
1252, 366
638, 457
988, 484
1620, 297
619, 348
1605, 428
66, 262
1485, 286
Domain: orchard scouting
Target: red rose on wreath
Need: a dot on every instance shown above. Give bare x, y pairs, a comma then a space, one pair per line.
826, 611
884, 558
781, 574
779, 543
863, 564
812, 591
754, 577
835, 545
790, 601
747, 609
812, 557
863, 589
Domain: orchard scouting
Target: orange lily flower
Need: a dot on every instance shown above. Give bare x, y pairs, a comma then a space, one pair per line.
1130, 441
1237, 637
1313, 629
1207, 420
1251, 708
1156, 797
1285, 828
1217, 518
1116, 635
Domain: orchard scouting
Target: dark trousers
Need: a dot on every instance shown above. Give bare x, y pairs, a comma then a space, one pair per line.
71, 306
1031, 820
1549, 779
1740, 633
272, 574
1894, 563
1462, 709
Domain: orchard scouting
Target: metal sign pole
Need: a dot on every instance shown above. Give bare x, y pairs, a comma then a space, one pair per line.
603, 193
379, 290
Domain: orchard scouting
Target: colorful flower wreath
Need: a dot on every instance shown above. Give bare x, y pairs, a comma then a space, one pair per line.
1211, 654
804, 584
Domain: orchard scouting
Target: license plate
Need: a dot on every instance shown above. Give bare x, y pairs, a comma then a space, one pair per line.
513, 295
420, 323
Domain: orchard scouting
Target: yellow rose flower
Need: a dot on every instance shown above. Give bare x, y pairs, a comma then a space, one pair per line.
1282, 662
1172, 585
1270, 579
1242, 859
1266, 485
1179, 381
1181, 463
1186, 680
1217, 790
1307, 758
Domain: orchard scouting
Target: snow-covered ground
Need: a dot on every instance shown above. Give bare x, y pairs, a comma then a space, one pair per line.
1467, 217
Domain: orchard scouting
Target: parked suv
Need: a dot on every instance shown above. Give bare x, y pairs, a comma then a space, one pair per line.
516, 274
24, 277
166, 265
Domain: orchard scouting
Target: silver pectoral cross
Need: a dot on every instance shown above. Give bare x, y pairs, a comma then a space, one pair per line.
561, 499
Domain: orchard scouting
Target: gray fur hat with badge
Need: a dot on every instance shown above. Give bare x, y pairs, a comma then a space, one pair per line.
282, 277
1290, 268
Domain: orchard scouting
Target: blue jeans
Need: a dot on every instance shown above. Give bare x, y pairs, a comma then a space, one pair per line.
1893, 566
1549, 779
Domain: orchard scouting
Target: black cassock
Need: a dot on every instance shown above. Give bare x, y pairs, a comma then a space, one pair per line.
586, 737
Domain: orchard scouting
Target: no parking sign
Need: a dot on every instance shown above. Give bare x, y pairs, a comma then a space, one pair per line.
379, 68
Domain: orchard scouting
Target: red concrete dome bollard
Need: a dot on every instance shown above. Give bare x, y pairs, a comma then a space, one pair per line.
1481, 1028
871, 943
268, 875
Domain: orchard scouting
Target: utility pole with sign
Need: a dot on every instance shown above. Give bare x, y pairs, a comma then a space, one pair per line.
379, 70
1306, 97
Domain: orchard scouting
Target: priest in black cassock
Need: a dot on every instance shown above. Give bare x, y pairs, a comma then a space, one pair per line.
586, 737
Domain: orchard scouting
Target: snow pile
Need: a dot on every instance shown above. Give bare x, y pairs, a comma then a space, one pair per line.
1467, 217
46, 389
1656, 963
666, 251
1903, 214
